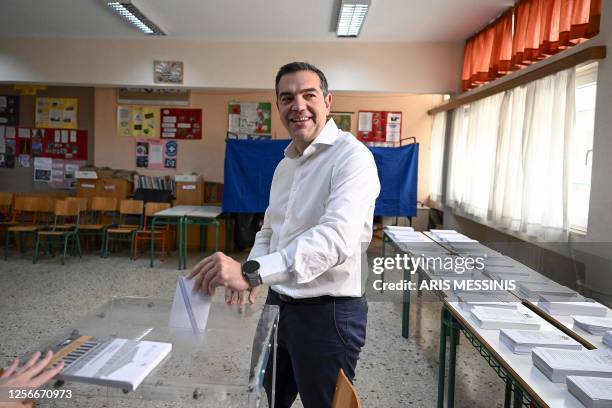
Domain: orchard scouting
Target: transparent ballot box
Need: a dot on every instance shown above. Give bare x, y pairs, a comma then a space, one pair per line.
222, 367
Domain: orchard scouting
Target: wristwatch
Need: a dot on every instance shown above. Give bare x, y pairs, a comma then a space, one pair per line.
250, 270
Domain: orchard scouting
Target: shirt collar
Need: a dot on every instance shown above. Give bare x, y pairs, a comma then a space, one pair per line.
328, 136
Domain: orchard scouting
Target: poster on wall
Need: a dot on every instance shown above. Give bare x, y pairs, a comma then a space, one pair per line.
65, 144
249, 118
9, 110
155, 154
379, 128
42, 169
63, 173
179, 123
8, 147
342, 120
56, 113
138, 121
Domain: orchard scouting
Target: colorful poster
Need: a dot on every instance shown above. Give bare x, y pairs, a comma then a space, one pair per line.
56, 113
9, 110
181, 123
138, 121
156, 154
63, 173
250, 118
380, 128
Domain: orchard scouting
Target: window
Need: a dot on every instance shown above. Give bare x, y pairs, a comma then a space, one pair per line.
582, 148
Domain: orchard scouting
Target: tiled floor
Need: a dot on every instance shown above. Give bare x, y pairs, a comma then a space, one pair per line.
38, 300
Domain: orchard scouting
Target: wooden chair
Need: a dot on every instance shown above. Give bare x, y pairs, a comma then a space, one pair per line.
26, 219
65, 227
6, 214
345, 395
103, 211
146, 233
130, 220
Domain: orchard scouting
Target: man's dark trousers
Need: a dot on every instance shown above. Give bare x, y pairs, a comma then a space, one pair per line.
315, 340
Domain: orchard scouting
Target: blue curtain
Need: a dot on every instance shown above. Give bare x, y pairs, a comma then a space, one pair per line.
250, 164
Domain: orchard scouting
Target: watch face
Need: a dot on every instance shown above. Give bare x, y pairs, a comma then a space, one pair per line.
250, 266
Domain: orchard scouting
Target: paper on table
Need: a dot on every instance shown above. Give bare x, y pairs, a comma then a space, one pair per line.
189, 309
594, 387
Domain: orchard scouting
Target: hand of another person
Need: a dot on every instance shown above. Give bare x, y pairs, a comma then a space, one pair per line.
31, 375
215, 270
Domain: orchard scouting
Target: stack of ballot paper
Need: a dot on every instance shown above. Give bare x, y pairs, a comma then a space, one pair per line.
607, 338
499, 299
112, 362
594, 325
523, 341
571, 307
557, 364
189, 308
535, 290
593, 392
492, 318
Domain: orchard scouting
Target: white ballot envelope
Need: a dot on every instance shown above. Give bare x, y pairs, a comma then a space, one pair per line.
190, 309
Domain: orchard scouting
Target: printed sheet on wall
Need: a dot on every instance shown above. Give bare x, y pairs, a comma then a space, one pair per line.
58, 173
179, 123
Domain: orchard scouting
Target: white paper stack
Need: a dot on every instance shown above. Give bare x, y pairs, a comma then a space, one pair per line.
523, 341
535, 290
571, 307
607, 338
593, 392
594, 325
557, 364
491, 318
497, 299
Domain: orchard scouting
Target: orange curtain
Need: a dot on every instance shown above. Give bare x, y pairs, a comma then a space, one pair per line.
530, 31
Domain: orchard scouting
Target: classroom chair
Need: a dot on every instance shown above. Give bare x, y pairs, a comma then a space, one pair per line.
65, 227
6, 202
146, 233
130, 220
103, 211
345, 395
26, 219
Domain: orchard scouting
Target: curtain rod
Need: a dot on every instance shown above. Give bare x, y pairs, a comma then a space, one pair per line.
588, 54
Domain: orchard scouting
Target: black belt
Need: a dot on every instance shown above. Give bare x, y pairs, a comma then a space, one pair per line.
319, 300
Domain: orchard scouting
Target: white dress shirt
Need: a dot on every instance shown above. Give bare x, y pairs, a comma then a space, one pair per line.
319, 219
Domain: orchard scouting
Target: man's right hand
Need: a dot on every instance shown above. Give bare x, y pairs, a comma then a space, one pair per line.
234, 297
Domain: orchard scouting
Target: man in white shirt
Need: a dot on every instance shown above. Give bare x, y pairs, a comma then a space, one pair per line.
309, 250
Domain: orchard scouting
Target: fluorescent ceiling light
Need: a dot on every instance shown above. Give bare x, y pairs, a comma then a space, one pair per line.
128, 11
351, 17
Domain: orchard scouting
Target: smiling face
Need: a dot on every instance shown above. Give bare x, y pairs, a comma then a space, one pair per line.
302, 106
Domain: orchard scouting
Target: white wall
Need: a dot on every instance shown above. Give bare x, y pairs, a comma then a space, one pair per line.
350, 66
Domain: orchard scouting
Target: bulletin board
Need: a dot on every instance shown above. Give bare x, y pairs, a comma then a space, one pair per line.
379, 126
250, 118
9, 110
57, 113
177, 123
156, 154
138, 121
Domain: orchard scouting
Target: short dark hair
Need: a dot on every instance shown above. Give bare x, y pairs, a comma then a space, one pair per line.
301, 66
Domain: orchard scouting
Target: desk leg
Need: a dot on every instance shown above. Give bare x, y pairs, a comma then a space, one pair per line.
382, 275
442, 358
452, 358
508, 393
518, 398
216, 224
151, 254
406, 307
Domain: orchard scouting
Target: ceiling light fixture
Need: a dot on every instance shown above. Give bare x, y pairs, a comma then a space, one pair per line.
351, 17
128, 11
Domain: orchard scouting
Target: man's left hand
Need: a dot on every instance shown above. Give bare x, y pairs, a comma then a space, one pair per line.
215, 270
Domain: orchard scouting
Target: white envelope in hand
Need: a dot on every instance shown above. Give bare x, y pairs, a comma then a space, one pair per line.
189, 309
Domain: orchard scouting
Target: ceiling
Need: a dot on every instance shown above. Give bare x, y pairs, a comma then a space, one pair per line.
252, 20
